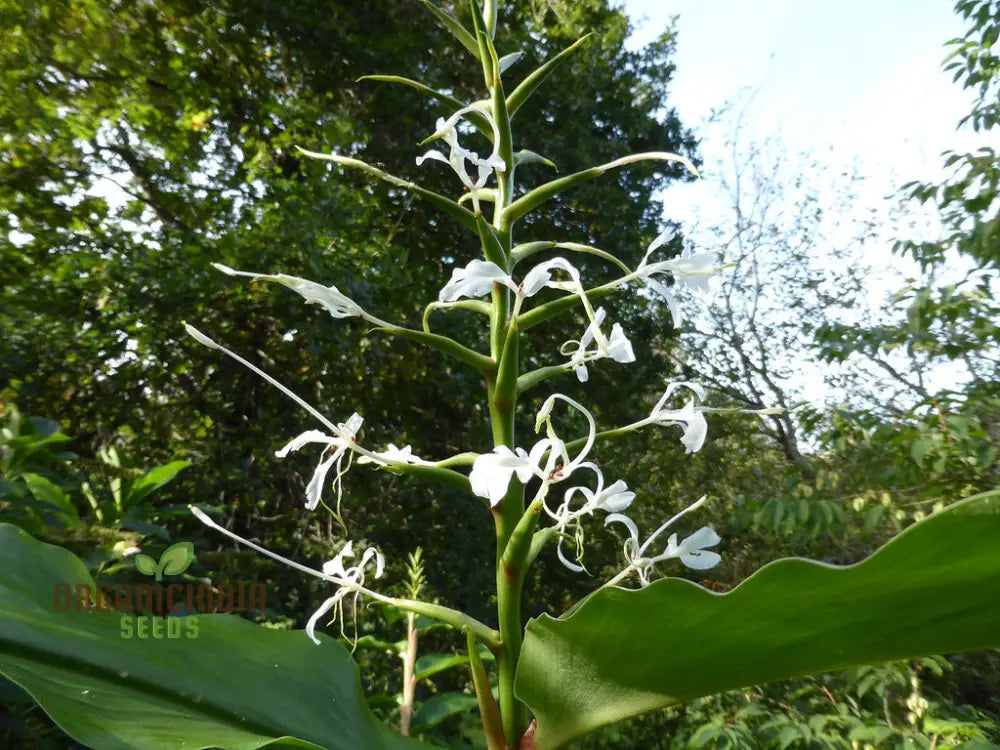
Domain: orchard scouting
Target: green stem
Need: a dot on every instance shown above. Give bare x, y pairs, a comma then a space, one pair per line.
453, 617
502, 394
573, 445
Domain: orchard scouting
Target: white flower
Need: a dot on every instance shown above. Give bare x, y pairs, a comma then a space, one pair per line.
458, 156
336, 447
618, 347
475, 280
692, 419
328, 297
393, 455
613, 499
691, 269
491, 472
541, 276
691, 552
350, 579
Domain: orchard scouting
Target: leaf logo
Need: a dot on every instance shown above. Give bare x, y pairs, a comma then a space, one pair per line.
174, 561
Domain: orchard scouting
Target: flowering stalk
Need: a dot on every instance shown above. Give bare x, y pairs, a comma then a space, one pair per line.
502, 395
500, 477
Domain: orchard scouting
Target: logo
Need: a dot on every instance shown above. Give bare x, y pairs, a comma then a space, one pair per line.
161, 609
174, 561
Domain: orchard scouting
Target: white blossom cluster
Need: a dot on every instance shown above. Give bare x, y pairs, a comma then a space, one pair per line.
549, 462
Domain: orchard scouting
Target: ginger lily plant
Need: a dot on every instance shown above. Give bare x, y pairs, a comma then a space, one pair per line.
635, 644
516, 479
507, 274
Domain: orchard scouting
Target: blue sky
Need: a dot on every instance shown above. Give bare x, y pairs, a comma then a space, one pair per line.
855, 83
860, 77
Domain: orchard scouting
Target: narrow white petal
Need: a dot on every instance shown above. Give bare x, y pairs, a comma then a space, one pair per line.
432, 154
694, 435
629, 524
595, 325
309, 436
663, 291
314, 490
562, 558
698, 390
661, 239
324, 608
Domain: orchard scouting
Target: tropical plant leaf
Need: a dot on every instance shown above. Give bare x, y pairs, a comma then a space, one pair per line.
152, 480
50, 493
933, 589
218, 682
440, 707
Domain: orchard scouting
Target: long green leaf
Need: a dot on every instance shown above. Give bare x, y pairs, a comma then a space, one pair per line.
422, 88
476, 118
442, 706
450, 207
224, 682
934, 589
455, 26
542, 193
47, 492
527, 87
445, 345
152, 480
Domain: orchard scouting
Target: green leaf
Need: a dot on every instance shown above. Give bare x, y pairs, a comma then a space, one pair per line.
50, 493
176, 558
455, 26
440, 707
527, 87
231, 684
152, 480
448, 206
524, 156
542, 193
476, 118
145, 565
429, 665
933, 589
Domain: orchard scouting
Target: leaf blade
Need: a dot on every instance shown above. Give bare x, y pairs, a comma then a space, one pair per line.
933, 589
236, 685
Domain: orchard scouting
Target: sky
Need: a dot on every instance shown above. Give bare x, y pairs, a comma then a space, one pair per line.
860, 77
856, 83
